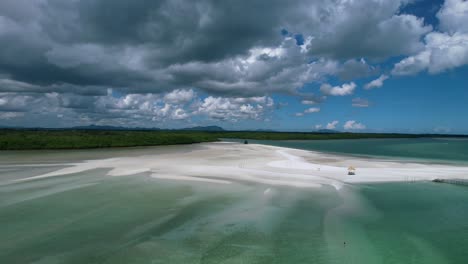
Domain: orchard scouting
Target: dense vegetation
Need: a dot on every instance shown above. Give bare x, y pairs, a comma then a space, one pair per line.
66, 139
77, 139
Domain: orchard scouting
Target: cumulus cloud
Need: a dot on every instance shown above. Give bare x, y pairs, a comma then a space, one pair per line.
131, 109
234, 109
179, 113
413, 64
377, 32
345, 89
353, 125
309, 111
447, 52
179, 96
312, 110
453, 16
376, 83
332, 125
443, 50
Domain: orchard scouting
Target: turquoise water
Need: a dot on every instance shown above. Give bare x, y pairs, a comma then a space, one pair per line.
91, 218
88, 218
452, 150
422, 223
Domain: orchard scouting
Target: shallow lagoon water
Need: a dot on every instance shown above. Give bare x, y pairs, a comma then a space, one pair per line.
86, 218
91, 218
440, 150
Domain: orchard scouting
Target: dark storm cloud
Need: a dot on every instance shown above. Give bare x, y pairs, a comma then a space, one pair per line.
181, 31
78, 50
174, 31
130, 43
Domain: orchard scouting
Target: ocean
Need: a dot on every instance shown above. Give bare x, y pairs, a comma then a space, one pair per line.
438, 150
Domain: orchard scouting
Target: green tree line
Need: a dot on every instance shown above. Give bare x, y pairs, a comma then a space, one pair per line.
80, 139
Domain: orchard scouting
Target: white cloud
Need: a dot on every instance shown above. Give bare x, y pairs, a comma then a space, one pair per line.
179, 96
332, 125
308, 102
141, 107
376, 83
413, 64
133, 109
353, 125
377, 32
179, 113
312, 110
309, 111
453, 16
443, 50
360, 102
345, 89
234, 109
318, 126
447, 52
138, 101
263, 70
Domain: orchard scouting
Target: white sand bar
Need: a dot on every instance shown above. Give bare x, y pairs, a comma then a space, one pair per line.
213, 163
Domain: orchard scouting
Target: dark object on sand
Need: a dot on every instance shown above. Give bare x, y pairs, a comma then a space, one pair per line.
462, 182
246, 142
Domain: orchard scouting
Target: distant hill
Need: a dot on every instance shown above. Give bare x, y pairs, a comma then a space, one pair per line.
114, 128
204, 128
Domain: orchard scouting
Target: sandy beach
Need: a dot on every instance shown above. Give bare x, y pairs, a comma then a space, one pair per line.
223, 163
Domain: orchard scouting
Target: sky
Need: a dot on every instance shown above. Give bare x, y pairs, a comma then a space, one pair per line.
300, 65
